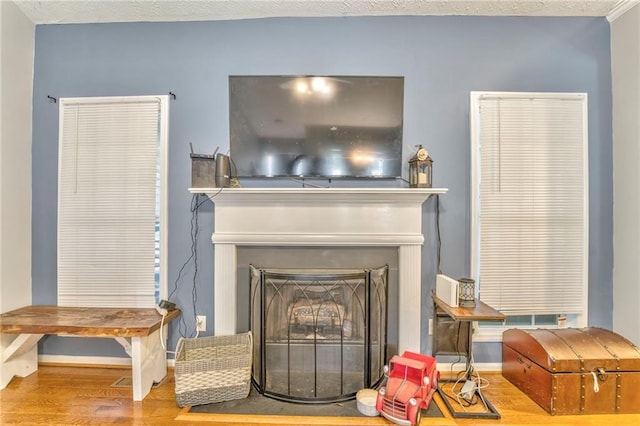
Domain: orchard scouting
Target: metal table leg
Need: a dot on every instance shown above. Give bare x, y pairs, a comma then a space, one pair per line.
491, 412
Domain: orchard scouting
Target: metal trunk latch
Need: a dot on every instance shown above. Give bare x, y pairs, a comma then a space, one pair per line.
601, 376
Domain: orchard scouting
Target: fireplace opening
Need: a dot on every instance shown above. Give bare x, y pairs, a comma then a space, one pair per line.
319, 335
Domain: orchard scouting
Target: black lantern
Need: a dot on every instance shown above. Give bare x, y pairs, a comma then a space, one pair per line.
420, 169
467, 292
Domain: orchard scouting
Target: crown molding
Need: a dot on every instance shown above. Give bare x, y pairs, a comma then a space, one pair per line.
621, 8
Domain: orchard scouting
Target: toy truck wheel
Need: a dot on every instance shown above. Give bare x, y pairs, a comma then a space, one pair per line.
415, 416
415, 411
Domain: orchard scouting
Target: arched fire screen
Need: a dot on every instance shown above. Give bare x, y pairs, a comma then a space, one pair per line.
319, 335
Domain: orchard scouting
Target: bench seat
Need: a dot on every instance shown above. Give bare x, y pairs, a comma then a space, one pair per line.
136, 329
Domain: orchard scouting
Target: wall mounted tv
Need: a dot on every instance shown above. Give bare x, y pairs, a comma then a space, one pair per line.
316, 126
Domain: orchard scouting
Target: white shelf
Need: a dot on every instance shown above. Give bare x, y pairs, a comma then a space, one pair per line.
316, 195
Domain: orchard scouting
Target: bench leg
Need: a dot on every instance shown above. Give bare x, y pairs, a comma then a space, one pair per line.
19, 357
148, 363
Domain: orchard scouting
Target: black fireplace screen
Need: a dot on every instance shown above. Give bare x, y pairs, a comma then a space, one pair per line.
319, 335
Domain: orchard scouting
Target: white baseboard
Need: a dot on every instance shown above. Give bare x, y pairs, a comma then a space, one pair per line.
91, 360
126, 362
85, 360
487, 367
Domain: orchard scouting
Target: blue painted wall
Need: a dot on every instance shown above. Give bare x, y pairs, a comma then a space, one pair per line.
441, 58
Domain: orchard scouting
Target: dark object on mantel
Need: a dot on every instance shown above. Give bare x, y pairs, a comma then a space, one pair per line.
574, 370
210, 170
203, 171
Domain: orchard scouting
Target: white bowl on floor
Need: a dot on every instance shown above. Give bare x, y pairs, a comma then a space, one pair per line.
366, 402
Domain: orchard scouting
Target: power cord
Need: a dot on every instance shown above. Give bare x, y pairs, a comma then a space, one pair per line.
465, 389
305, 183
438, 238
194, 231
468, 382
196, 203
162, 341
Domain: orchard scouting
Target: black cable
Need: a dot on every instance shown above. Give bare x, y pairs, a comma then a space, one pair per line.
233, 170
452, 392
194, 212
474, 399
194, 230
438, 239
194, 241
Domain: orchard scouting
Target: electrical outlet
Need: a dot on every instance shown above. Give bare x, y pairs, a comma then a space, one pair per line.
430, 326
201, 321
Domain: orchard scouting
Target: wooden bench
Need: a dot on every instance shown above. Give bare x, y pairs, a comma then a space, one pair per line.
136, 329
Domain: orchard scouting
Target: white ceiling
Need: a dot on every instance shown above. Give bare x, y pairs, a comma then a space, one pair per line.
90, 11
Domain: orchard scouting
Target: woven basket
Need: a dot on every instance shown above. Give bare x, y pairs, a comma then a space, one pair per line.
213, 369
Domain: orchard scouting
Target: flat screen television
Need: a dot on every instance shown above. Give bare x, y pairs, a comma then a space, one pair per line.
316, 126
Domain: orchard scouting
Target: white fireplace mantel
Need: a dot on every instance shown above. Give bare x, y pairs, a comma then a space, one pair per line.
320, 217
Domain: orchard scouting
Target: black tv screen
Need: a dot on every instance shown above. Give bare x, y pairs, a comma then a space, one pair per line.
316, 126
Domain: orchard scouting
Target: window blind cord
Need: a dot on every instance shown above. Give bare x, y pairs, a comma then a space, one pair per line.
76, 143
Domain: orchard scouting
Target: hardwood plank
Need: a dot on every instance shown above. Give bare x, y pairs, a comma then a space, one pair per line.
481, 312
59, 395
94, 322
47, 419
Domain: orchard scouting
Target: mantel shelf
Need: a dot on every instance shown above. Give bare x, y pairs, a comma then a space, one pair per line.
323, 195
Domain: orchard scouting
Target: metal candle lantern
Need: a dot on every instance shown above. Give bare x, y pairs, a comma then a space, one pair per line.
467, 291
420, 169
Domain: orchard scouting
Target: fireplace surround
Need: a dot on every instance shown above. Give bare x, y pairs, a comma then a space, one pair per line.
320, 217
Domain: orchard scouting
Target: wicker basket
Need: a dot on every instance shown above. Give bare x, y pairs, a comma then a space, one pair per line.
213, 369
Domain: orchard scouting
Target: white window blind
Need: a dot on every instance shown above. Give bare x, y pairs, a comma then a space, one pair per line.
529, 202
111, 163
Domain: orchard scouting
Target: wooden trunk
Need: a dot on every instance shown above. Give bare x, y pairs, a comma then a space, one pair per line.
574, 371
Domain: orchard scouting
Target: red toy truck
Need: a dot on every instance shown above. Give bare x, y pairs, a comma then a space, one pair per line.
412, 379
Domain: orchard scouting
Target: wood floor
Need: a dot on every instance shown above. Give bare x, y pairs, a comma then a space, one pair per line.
63, 395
